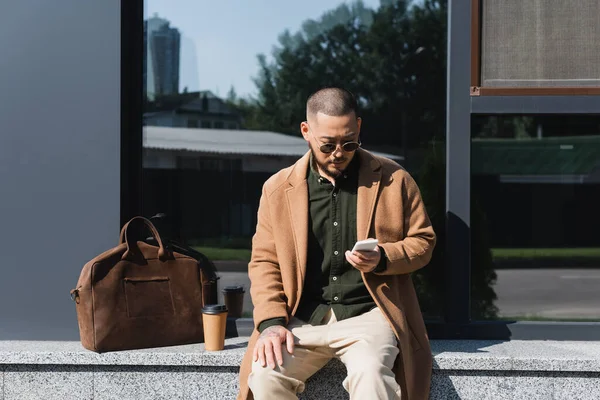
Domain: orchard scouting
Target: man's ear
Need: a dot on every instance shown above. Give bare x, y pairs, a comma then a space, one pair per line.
304, 129
359, 123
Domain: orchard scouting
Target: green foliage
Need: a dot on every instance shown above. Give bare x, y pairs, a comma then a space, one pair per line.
547, 253
504, 127
392, 58
224, 254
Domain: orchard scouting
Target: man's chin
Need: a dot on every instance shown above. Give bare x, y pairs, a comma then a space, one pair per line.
336, 170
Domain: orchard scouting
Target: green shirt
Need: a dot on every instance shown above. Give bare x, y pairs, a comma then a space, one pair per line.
330, 281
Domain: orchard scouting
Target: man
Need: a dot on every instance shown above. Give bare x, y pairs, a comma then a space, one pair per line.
313, 298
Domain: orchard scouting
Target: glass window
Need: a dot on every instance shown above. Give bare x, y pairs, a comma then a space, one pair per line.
252, 76
534, 217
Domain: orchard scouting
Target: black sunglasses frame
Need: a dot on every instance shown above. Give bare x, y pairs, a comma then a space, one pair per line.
329, 148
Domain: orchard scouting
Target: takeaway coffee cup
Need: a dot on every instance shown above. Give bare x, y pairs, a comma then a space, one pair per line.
214, 321
234, 300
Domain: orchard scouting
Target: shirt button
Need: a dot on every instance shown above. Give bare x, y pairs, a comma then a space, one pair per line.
335, 224
336, 252
334, 278
336, 298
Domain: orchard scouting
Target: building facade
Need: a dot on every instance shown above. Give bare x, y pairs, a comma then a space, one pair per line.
515, 211
162, 45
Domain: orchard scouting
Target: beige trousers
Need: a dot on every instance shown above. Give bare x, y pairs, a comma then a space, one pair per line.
365, 344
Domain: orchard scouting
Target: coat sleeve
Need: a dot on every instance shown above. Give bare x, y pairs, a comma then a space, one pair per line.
415, 250
266, 285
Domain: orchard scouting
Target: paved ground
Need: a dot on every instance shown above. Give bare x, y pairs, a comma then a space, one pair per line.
548, 293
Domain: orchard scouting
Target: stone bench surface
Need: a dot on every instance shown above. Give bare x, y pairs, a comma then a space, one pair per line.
72, 353
466, 370
513, 355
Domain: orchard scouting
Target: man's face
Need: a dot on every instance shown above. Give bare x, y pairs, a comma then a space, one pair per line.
323, 129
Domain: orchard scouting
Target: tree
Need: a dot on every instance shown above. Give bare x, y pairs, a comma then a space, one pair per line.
323, 53
231, 96
393, 59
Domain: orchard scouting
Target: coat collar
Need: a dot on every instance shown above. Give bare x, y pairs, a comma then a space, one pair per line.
369, 176
369, 168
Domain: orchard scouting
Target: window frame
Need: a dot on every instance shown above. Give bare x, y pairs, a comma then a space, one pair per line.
463, 72
478, 90
455, 321
132, 105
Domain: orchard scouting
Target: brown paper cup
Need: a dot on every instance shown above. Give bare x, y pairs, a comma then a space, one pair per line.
234, 300
214, 321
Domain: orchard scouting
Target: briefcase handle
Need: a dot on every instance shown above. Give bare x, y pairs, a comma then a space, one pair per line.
124, 237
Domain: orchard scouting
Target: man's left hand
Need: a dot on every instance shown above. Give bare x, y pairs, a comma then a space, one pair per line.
364, 261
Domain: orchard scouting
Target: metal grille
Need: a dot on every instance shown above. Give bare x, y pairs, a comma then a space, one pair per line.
540, 43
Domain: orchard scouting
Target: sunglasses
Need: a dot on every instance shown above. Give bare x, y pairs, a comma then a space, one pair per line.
328, 148
348, 147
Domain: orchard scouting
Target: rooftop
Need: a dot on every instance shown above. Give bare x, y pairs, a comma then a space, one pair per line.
229, 141
568, 155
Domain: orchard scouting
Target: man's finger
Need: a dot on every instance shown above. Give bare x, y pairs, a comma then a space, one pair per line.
277, 352
365, 255
269, 353
369, 261
290, 342
360, 264
261, 355
351, 258
255, 353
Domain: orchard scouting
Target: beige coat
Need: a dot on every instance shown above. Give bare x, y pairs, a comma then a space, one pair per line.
390, 208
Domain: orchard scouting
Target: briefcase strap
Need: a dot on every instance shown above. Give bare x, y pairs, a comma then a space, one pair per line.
125, 237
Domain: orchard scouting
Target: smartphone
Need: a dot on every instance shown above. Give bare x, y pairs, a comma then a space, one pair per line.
366, 245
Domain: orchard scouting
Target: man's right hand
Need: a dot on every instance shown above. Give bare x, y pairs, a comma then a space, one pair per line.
268, 346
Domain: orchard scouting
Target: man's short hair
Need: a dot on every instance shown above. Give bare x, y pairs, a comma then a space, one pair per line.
332, 101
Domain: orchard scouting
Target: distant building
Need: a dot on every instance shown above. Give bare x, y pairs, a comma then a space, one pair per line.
219, 150
561, 160
188, 171
192, 110
161, 62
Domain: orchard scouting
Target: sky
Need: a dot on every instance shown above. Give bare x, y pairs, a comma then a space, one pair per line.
221, 39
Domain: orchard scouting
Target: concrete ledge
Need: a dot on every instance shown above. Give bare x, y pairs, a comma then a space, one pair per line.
462, 370
72, 353
516, 370
516, 355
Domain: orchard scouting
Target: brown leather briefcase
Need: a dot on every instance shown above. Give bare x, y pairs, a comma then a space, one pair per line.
137, 295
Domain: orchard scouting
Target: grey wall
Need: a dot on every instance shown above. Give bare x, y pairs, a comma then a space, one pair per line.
59, 156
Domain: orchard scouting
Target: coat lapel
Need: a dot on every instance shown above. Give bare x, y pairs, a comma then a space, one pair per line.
297, 198
369, 176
